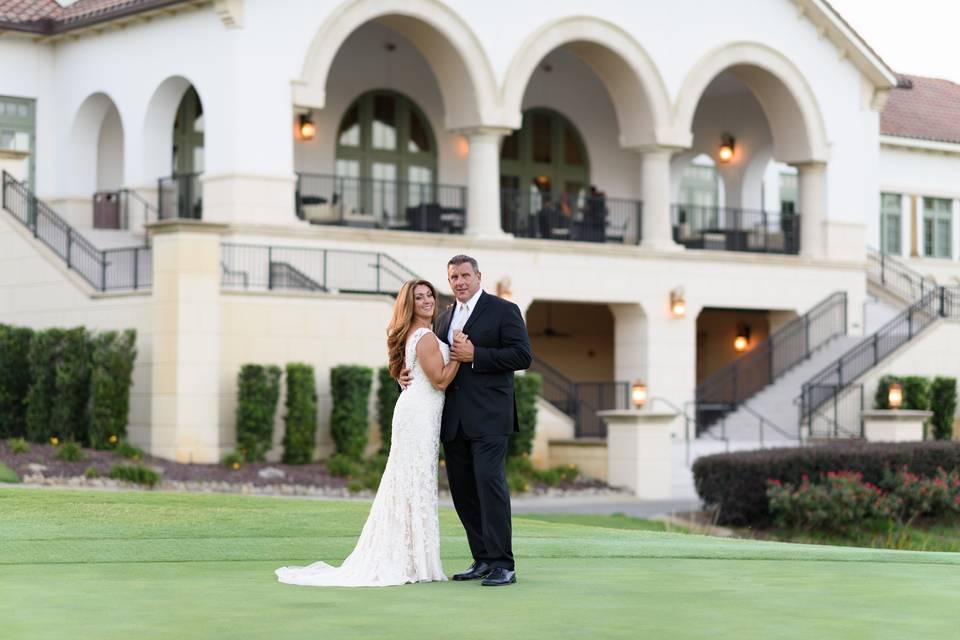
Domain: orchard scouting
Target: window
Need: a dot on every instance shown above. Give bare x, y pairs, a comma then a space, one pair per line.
545, 154
890, 212
937, 223
788, 192
18, 130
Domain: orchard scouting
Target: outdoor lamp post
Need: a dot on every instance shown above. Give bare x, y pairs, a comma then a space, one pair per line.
638, 394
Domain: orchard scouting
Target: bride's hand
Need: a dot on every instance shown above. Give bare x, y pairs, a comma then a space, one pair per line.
459, 337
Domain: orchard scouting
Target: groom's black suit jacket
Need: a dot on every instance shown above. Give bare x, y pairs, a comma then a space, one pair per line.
480, 399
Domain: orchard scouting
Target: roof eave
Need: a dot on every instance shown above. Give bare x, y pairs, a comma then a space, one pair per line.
51, 27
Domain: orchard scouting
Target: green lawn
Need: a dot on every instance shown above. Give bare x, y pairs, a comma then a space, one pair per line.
158, 566
8, 475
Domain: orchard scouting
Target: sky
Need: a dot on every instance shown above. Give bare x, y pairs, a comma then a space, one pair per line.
913, 36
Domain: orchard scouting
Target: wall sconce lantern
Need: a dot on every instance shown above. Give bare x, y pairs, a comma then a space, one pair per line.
503, 288
678, 306
727, 147
895, 395
308, 130
742, 341
638, 394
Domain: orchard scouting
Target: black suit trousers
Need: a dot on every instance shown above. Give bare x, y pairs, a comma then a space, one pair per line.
478, 485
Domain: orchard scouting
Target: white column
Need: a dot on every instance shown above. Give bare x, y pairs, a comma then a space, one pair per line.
810, 178
655, 192
639, 452
906, 226
483, 182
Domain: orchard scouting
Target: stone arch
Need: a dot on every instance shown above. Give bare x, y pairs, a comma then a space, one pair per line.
635, 85
787, 100
89, 170
463, 71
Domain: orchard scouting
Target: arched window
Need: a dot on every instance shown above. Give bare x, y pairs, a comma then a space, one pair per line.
546, 156
188, 135
386, 156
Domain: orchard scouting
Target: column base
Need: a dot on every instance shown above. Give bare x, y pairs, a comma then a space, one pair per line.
661, 245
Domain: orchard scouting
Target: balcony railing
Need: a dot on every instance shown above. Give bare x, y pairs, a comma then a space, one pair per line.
180, 196
731, 229
570, 216
382, 204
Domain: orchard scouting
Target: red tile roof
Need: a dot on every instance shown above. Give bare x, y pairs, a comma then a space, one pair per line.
925, 108
47, 16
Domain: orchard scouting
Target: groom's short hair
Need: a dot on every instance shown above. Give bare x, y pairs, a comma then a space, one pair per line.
458, 260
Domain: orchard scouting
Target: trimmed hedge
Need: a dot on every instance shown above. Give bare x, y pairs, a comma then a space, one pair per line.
258, 390
916, 393
300, 433
388, 391
111, 377
14, 380
349, 416
526, 389
943, 403
58, 397
736, 483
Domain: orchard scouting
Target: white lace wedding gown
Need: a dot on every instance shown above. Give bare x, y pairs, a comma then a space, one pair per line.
400, 542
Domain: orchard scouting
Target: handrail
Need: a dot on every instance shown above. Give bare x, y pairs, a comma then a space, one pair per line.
687, 421
897, 277
764, 421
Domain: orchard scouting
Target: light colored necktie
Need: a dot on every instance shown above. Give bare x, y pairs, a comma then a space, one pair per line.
460, 320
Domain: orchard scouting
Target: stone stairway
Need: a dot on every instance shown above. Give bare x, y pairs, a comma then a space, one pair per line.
776, 402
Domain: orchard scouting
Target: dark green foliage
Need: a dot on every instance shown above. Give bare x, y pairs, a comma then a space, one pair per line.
300, 434
232, 460
943, 403
111, 377
916, 393
18, 445
349, 415
342, 466
135, 473
14, 380
60, 387
126, 450
258, 390
91, 472
736, 483
526, 390
881, 399
70, 452
388, 392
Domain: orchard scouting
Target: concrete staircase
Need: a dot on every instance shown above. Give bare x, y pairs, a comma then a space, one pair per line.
775, 403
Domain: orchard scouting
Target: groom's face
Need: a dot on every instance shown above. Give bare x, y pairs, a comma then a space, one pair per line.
464, 281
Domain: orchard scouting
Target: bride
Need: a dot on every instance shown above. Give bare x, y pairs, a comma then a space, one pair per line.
400, 541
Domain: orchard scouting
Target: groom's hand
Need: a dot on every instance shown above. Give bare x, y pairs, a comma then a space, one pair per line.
462, 351
405, 379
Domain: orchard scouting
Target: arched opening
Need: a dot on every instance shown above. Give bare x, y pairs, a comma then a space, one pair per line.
96, 155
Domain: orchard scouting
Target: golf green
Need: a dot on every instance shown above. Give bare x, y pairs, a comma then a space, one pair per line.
105, 565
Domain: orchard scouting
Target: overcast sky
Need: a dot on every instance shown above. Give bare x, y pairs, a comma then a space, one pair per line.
912, 36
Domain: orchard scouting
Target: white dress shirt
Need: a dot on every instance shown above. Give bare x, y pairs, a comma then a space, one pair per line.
461, 315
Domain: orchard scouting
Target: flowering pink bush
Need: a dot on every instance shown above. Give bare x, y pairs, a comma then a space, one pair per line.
841, 501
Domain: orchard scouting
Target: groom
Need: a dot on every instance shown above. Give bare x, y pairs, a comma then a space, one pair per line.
479, 415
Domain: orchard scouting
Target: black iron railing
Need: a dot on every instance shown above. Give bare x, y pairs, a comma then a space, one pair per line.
104, 270
841, 417
734, 229
180, 196
897, 277
308, 269
828, 385
571, 216
581, 400
725, 390
385, 204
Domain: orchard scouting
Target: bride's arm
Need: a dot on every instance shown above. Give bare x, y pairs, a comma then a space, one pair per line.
431, 361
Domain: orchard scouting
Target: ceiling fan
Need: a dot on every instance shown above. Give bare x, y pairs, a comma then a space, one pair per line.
548, 330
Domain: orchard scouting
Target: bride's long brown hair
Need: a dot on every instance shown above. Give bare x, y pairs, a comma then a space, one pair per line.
399, 326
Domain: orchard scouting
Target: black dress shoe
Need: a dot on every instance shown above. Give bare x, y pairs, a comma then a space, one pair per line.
499, 577
479, 569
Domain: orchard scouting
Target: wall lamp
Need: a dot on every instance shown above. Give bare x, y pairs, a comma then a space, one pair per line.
742, 341
308, 130
638, 394
678, 306
727, 148
895, 395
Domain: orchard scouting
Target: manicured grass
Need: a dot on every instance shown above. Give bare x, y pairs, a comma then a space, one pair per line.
616, 521
174, 566
7, 474
938, 537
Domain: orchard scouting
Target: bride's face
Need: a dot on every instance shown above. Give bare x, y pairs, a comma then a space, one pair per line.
423, 302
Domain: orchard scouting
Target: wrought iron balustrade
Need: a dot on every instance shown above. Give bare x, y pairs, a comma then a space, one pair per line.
180, 196
734, 229
571, 216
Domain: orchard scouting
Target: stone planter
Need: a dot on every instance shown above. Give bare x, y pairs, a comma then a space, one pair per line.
638, 452
894, 425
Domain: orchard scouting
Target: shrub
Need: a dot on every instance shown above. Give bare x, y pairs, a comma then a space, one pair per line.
70, 452
881, 399
300, 421
916, 393
135, 473
14, 380
8, 475
736, 483
60, 386
526, 390
349, 416
18, 445
232, 460
126, 450
91, 472
111, 377
388, 391
943, 403
342, 466
258, 390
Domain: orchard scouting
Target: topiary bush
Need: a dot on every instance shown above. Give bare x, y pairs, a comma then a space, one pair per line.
916, 393
258, 390
526, 389
736, 483
388, 391
300, 421
111, 378
943, 403
44, 355
14, 380
349, 416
